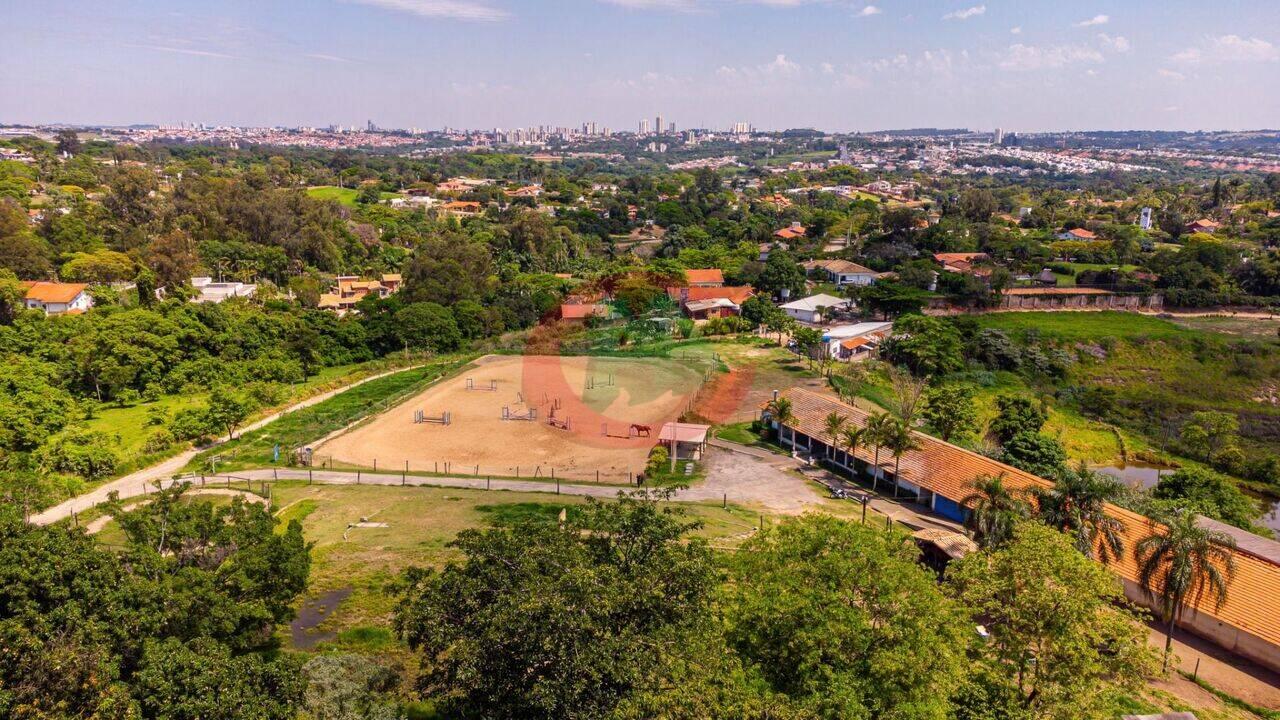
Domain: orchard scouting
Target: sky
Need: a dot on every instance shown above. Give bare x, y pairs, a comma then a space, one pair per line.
837, 65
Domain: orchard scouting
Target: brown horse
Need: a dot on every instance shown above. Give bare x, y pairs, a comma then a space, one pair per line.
644, 430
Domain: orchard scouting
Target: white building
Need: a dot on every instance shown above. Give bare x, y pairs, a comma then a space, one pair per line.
216, 292
843, 272
55, 298
848, 342
810, 309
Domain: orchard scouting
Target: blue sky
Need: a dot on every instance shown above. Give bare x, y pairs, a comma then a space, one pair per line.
833, 64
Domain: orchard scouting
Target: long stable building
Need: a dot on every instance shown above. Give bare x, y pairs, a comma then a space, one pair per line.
941, 475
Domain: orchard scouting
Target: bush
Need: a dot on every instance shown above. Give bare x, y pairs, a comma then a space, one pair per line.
159, 441
659, 460
191, 424
86, 453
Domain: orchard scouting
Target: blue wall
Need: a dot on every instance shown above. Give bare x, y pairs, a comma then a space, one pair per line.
949, 509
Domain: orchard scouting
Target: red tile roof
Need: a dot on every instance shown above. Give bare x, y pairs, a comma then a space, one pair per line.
1254, 600
703, 277
738, 294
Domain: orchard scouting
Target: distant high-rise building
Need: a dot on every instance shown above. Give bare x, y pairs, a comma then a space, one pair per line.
644, 126
742, 128
671, 128
1144, 221
658, 127
998, 137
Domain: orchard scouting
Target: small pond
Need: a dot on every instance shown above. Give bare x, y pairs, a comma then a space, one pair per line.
302, 631
1143, 475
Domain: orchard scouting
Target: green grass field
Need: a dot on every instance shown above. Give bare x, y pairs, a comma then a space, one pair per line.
1070, 280
346, 196
421, 522
1086, 326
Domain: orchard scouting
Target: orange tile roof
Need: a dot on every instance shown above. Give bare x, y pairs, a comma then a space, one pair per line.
53, 292
581, 311
738, 294
1081, 233
713, 275
1252, 605
788, 233
854, 343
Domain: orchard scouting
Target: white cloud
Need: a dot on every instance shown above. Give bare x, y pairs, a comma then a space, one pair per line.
327, 58
1033, 57
184, 51
1228, 48
781, 67
451, 9
869, 10
1115, 43
1171, 74
966, 13
1015, 30
1095, 20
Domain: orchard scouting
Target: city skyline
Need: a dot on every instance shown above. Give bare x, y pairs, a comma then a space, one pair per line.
837, 65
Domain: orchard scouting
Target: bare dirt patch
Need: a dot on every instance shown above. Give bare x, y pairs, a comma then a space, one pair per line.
591, 395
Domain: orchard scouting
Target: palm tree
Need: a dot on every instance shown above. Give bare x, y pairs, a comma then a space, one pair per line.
833, 425
853, 437
876, 431
780, 411
1076, 505
1185, 562
994, 510
899, 439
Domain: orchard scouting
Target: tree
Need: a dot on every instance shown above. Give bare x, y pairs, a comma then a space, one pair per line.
891, 299
808, 340
1035, 453
853, 438
347, 687
1208, 493
994, 511
227, 410
779, 410
1076, 505
1208, 431
833, 424
1061, 634
950, 411
1182, 562
1016, 414
925, 345
878, 428
428, 326
556, 620
201, 679
899, 439
781, 272
145, 282
977, 204
841, 619
68, 142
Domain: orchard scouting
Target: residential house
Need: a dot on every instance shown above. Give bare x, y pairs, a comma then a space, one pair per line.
392, 282
1079, 234
581, 312
791, 232
461, 208
712, 277
1203, 225
216, 292
960, 262
351, 290
56, 298
842, 272
702, 303
813, 308
852, 342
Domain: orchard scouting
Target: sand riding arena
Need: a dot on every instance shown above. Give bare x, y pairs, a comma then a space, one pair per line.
579, 417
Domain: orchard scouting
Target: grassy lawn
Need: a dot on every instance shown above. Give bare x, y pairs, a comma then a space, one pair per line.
1070, 280
346, 196
256, 448
128, 425
1086, 326
421, 522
